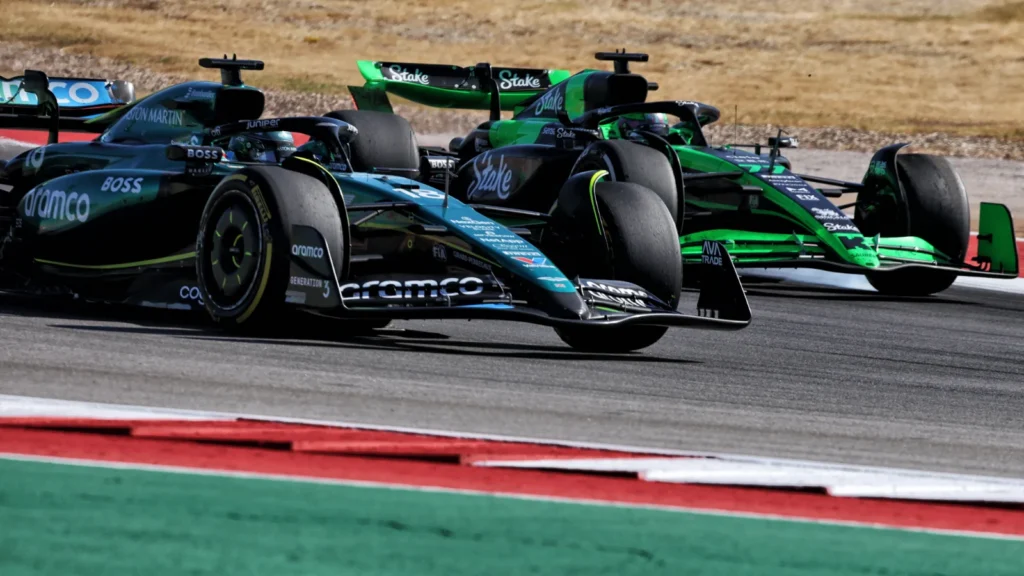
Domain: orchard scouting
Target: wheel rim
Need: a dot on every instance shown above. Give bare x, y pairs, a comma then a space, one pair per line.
233, 249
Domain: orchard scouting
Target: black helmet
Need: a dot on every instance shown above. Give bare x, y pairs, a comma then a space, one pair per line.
260, 147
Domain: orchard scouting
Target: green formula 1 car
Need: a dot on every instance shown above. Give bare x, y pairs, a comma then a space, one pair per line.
911, 223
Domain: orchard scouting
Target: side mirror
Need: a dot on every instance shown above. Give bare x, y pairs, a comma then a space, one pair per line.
784, 142
123, 91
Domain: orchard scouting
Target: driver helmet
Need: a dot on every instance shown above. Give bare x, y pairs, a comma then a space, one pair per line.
650, 122
260, 147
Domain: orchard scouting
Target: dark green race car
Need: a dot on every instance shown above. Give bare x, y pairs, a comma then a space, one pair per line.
909, 233
188, 199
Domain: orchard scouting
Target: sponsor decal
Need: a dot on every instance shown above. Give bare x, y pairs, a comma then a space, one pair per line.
262, 124
191, 293
261, 204
508, 79
412, 289
807, 197
782, 178
833, 227
558, 282
533, 262
440, 163
34, 161
311, 283
440, 253
829, 214
472, 260
488, 177
157, 116
57, 205
122, 185
195, 94
78, 93
201, 153
308, 251
422, 193
403, 75
549, 102
878, 168
616, 294
558, 132
711, 253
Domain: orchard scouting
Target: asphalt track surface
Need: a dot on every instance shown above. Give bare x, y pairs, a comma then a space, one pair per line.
825, 374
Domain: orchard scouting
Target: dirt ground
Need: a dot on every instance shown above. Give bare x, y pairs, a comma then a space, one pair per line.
845, 72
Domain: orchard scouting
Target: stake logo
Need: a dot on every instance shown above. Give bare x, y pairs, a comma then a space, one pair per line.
490, 178
399, 73
56, 205
509, 79
832, 227
549, 102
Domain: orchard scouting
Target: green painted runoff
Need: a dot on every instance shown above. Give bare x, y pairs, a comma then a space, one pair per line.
57, 520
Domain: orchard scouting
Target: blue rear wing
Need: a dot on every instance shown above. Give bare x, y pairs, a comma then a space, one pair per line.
36, 102
74, 95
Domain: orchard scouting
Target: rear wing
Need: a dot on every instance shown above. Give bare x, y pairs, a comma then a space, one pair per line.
447, 86
36, 102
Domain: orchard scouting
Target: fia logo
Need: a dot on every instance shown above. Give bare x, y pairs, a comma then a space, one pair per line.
440, 253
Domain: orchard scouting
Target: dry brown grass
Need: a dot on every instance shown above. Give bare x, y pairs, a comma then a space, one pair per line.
954, 66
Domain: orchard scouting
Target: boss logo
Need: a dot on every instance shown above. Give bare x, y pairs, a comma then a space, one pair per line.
122, 185
203, 153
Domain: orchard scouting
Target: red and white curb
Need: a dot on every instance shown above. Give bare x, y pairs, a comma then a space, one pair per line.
491, 451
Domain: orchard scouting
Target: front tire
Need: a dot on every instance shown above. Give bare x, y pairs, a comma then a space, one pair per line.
628, 161
939, 213
632, 238
243, 251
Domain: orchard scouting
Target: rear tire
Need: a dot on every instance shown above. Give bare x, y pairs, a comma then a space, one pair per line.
243, 251
628, 161
385, 141
639, 245
939, 213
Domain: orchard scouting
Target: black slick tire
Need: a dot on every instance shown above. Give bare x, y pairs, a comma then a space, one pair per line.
631, 238
939, 213
632, 162
243, 250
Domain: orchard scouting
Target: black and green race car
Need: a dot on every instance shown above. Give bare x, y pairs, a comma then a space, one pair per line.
188, 199
908, 235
